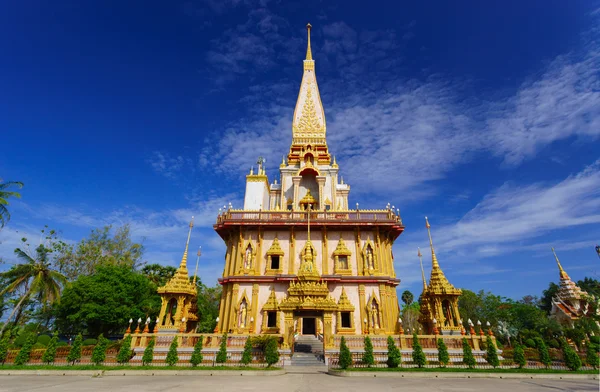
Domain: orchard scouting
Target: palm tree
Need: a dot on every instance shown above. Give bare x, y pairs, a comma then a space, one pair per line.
35, 278
4, 195
407, 297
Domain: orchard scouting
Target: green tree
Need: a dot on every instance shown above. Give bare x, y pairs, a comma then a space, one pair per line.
572, 360
468, 358
590, 285
407, 297
149, 352
271, 352
4, 349
418, 355
410, 316
99, 352
196, 358
103, 302
75, 352
519, 356
491, 354
101, 248
23, 355
50, 353
172, 356
5, 194
543, 352
368, 357
345, 359
247, 354
34, 277
222, 354
158, 274
443, 356
125, 351
209, 299
394, 356
547, 295
591, 355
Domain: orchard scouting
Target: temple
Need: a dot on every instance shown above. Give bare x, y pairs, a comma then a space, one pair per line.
439, 299
299, 261
570, 303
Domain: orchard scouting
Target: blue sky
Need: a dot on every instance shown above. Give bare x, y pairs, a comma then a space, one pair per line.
484, 116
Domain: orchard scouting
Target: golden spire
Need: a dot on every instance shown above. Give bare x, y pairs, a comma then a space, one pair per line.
434, 262
563, 274
197, 261
308, 51
422, 271
183, 264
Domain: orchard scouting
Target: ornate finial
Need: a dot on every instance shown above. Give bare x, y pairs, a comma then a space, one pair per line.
563, 274
308, 51
434, 261
197, 260
282, 161
183, 264
422, 270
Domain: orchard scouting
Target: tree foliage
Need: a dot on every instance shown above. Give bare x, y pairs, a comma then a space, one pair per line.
6, 194
196, 358
125, 351
272, 352
23, 356
407, 297
368, 358
149, 352
75, 352
519, 356
222, 354
547, 295
158, 274
443, 356
247, 354
410, 316
99, 352
345, 358
543, 352
591, 355
394, 356
572, 360
468, 358
418, 356
104, 301
4, 342
50, 352
491, 355
172, 356
209, 299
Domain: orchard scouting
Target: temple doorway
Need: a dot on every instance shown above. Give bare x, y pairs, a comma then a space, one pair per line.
309, 326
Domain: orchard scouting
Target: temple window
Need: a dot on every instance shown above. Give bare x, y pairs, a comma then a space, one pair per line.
343, 260
345, 316
274, 258
271, 319
275, 262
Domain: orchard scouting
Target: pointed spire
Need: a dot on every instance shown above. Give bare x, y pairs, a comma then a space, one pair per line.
308, 51
434, 261
563, 274
197, 261
422, 270
183, 264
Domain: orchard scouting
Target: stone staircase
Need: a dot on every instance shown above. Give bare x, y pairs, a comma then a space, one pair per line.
308, 352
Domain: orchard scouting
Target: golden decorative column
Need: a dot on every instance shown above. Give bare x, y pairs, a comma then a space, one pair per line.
258, 260
292, 256
296, 182
325, 254
321, 183
327, 329
359, 261
254, 312
222, 307
232, 311
288, 333
362, 305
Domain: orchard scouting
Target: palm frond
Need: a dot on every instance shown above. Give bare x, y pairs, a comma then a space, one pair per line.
24, 256
5, 185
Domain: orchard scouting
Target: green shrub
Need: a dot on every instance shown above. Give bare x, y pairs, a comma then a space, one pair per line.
44, 339
368, 358
543, 352
196, 358
468, 358
4, 349
222, 354
345, 359
50, 353
591, 354
394, 356
23, 355
149, 352
519, 356
125, 351
595, 339
418, 356
530, 343
491, 354
443, 356
38, 346
172, 357
99, 352
75, 352
247, 354
89, 342
572, 360
553, 343
61, 344
272, 352
22, 339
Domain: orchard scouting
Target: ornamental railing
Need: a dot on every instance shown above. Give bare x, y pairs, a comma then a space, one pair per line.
350, 216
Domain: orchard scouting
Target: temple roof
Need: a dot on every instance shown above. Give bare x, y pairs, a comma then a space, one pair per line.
568, 290
180, 282
438, 283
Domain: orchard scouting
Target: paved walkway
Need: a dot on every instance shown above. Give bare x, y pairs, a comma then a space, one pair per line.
288, 382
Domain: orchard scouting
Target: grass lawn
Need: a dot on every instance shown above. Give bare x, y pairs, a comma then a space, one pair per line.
460, 370
128, 367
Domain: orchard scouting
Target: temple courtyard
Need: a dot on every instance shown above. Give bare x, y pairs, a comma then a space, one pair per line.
287, 382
